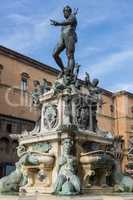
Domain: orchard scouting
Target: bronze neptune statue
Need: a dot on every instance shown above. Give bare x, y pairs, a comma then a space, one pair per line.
67, 41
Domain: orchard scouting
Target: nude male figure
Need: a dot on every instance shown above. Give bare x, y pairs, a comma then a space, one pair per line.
67, 41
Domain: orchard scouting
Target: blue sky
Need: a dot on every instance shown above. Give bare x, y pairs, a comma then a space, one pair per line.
105, 35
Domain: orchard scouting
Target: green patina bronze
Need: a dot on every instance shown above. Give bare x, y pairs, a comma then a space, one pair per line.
67, 182
123, 183
13, 181
41, 147
17, 179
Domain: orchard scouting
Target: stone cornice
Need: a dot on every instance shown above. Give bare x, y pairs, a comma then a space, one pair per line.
123, 92
25, 59
16, 118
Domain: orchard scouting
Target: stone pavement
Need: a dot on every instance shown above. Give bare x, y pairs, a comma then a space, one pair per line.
82, 197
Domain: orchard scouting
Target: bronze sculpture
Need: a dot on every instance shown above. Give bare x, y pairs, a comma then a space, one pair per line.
67, 40
67, 183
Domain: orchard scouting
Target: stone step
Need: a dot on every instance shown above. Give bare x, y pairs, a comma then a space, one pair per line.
78, 197
98, 190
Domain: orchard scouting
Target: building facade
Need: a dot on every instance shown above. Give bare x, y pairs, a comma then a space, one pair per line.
17, 72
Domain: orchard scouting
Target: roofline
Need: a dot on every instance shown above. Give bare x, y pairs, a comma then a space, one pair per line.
25, 59
107, 92
123, 92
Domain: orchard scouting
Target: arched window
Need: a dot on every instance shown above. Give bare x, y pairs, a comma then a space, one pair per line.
4, 145
9, 128
24, 81
1, 68
132, 111
14, 146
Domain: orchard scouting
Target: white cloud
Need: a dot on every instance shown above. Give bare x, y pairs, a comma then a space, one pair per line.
19, 19
27, 33
122, 86
88, 51
93, 21
112, 62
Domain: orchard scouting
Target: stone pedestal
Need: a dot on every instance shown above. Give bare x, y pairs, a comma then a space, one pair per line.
64, 154
67, 116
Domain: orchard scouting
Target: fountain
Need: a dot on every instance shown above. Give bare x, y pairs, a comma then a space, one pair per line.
66, 154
